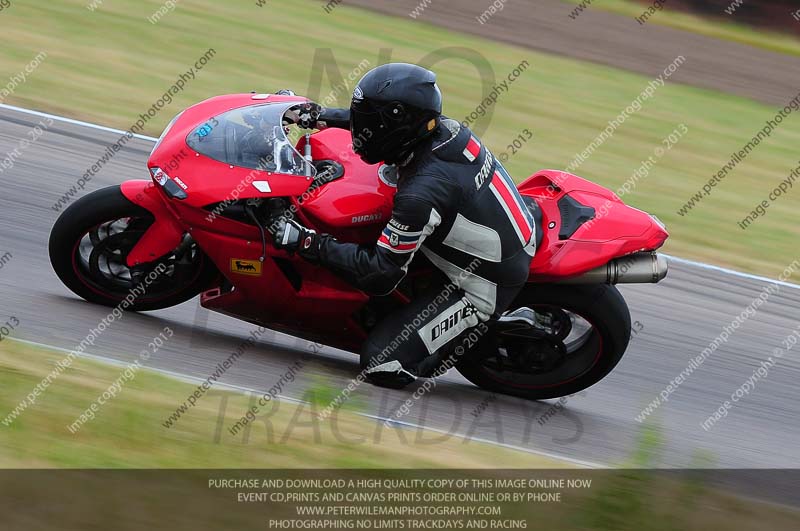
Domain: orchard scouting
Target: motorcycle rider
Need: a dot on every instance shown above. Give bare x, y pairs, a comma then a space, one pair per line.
455, 203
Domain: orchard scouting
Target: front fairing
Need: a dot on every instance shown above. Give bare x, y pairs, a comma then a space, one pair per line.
232, 147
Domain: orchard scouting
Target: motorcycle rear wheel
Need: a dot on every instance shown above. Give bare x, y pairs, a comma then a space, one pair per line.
91, 240
591, 330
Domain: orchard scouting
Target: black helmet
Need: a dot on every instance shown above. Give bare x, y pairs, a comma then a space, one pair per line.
395, 106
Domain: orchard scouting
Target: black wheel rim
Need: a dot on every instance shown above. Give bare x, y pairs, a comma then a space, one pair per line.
541, 357
99, 261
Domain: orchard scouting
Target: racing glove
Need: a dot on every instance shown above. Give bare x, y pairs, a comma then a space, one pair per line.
294, 237
304, 115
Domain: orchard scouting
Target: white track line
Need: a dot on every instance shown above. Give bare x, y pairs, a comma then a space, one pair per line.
233, 387
75, 122
732, 272
677, 259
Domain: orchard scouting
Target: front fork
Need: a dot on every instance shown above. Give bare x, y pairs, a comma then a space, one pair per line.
164, 235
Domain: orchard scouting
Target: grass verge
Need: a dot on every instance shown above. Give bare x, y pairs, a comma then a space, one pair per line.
127, 431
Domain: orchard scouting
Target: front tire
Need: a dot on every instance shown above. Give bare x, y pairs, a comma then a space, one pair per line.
91, 240
554, 366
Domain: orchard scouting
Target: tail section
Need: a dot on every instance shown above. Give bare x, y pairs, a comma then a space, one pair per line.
584, 225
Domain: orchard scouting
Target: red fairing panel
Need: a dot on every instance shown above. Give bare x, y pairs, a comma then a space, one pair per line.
355, 207
616, 230
207, 180
164, 234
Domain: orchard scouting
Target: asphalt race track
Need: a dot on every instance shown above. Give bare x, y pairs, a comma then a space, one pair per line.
678, 319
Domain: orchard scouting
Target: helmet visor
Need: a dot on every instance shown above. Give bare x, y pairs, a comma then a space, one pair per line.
367, 129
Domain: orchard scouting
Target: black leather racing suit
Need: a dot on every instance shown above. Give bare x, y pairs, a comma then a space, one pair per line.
457, 205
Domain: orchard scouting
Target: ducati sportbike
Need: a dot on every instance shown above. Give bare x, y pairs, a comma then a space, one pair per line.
201, 226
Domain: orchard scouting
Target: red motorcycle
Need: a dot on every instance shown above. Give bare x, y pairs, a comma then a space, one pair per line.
201, 226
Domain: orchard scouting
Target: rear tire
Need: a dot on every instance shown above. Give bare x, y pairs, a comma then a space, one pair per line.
77, 233
602, 306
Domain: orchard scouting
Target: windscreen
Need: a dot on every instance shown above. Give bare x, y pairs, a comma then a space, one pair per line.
166, 132
251, 137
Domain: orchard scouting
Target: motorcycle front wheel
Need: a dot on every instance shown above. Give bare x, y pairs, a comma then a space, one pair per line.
89, 245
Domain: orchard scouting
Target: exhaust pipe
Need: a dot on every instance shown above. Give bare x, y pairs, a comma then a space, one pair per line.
637, 268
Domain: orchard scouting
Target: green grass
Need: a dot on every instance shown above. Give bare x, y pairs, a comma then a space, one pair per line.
722, 27
127, 431
111, 65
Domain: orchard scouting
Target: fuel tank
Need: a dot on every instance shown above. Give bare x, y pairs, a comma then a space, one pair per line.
356, 206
